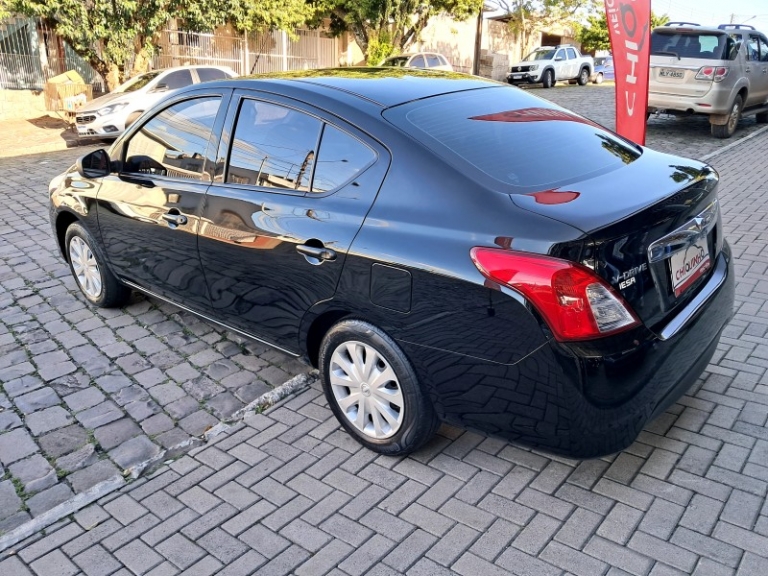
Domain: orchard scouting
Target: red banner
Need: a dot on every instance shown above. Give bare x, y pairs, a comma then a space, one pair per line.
629, 23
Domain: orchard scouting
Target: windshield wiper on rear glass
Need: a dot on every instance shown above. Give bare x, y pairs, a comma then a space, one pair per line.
667, 54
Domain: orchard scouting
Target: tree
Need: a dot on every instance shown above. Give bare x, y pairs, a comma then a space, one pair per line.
118, 37
527, 17
594, 36
383, 27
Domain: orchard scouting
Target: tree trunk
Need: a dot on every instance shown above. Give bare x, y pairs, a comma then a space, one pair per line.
141, 61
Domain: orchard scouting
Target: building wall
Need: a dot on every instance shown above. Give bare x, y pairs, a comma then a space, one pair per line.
21, 104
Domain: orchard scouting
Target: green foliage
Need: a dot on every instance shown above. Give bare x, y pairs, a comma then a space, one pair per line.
594, 36
113, 34
398, 21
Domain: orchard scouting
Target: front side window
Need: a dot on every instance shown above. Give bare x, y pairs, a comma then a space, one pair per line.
174, 142
273, 146
341, 158
177, 79
433, 60
418, 62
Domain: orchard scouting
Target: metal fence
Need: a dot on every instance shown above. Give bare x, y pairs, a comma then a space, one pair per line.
31, 53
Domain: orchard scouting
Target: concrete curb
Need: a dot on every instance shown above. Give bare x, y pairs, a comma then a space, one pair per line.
106, 487
734, 144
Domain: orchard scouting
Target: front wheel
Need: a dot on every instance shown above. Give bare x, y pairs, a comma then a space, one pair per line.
727, 130
598, 79
548, 80
373, 390
583, 77
95, 280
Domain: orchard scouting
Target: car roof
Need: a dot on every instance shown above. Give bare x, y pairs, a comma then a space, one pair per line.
384, 87
691, 27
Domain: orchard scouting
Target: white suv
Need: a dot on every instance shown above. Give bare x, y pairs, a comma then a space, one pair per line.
721, 72
109, 115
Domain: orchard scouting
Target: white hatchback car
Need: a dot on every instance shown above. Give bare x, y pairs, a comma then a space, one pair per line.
109, 115
428, 60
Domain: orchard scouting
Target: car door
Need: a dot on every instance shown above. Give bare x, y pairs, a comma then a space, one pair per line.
753, 69
282, 212
149, 210
762, 65
561, 65
573, 63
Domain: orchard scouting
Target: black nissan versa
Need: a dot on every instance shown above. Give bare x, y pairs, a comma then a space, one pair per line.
442, 247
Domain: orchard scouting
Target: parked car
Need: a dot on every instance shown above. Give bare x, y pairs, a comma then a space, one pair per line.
429, 60
603, 70
419, 238
550, 64
720, 72
109, 115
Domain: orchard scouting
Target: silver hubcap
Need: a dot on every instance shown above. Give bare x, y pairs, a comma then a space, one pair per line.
366, 389
85, 267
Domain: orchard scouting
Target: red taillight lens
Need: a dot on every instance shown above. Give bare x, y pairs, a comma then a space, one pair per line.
720, 73
575, 303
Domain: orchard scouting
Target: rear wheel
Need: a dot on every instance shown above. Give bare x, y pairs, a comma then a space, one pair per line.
87, 264
548, 80
583, 77
726, 130
598, 79
373, 391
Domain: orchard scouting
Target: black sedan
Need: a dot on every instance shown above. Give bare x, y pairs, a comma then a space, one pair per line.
442, 247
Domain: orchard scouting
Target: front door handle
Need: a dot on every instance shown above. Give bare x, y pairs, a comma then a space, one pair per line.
175, 219
314, 252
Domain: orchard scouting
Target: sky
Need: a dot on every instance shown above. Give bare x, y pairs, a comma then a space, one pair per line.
708, 12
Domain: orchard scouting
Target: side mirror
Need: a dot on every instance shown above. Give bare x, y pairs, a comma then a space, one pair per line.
160, 88
559, 58
93, 165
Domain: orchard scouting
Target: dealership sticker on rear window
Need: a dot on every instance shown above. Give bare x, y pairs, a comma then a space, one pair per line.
688, 265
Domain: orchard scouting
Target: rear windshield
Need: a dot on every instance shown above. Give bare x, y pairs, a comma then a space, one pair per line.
515, 138
703, 45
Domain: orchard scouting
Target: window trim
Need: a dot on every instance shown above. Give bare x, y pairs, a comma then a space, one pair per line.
120, 149
323, 194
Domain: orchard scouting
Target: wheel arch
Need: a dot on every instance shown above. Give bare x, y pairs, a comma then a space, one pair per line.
63, 221
316, 329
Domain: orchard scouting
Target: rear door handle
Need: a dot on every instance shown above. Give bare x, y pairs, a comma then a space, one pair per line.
314, 252
176, 219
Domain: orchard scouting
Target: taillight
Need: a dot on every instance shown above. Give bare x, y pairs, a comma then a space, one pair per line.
715, 73
575, 303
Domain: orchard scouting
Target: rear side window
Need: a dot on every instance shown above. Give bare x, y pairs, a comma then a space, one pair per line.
174, 142
513, 137
340, 159
208, 74
433, 60
571, 54
178, 79
418, 62
704, 45
274, 147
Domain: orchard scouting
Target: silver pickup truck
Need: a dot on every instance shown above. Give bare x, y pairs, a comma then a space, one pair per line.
550, 64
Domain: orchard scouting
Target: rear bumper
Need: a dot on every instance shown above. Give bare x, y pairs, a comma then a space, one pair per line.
717, 100
590, 399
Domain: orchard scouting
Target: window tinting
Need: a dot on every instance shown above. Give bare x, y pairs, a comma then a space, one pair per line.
433, 60
208, 74
702, 45
507, 135
340, 159
178, 79
174, 142
418, 62
571, 54
273, 146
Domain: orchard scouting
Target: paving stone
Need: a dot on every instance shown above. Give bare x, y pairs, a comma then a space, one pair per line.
15, 445
49, 498
48, 419
91, 475
84, 456
35, 473
99, 415
115, 433
134, 451
198, 422
9, 500
182, 407
37, 400
157, 424
84, 399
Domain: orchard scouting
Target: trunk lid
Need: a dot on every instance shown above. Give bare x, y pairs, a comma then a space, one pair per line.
653, 229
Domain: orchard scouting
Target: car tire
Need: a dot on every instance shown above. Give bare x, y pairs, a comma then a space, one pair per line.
583, 77
548, 80
132, 118
397, 416
761, 118
88, 266
598, 79
727, 130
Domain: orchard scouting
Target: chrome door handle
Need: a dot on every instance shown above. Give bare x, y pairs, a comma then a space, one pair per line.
314, 252
176, 219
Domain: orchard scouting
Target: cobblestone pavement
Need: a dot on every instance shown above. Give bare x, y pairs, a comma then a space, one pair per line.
287, 492
87, 392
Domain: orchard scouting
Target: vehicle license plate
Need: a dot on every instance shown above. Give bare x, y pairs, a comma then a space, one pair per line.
82, 129
516, 76
689, 265
668, 73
